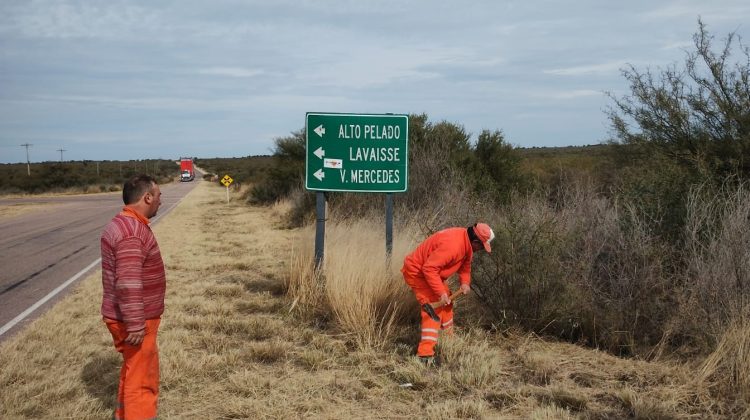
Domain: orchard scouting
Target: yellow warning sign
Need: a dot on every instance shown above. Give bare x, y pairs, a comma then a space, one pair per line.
227, 180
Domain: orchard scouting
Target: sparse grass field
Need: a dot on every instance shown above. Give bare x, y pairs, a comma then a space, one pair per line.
234, 345
11, 210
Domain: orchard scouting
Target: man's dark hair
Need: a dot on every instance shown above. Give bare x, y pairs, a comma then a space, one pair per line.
135, 187
472, 235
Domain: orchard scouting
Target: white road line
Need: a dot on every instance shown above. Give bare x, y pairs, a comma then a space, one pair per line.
5, 328
44, 300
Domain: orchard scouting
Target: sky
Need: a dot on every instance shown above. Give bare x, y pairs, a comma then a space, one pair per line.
121, 80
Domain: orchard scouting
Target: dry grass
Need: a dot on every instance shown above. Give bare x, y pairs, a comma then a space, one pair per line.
17, 209
281, 208
231, 348
357, 287
728, 367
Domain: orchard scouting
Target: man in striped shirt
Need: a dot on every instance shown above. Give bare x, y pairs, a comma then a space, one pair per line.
134, 284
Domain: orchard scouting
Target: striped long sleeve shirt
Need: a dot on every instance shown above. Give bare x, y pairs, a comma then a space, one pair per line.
133, 277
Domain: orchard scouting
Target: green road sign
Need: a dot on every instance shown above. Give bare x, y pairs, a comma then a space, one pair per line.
356, 152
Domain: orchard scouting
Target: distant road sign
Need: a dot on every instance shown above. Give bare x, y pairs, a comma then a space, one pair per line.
227, 180
356, 152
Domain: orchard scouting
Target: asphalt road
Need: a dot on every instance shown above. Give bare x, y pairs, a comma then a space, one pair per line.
55, 241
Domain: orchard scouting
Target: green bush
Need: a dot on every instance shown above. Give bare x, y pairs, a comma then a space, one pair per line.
106, 175
659, 188
443, 164
244, 170
286, 173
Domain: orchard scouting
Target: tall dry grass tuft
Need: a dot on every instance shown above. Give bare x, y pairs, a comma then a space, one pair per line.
551, 412
640, 406
304, 284
728, 367
472, 361
363, 294
281, 208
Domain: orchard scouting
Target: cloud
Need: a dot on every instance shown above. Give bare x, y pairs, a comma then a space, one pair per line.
162, 103
710, 12
66, 20
680, 45
568, 94
602, 68
377, 66
179, 104
230, 71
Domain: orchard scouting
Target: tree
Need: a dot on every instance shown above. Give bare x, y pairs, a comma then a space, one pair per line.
697, 116
499, 162
288, 170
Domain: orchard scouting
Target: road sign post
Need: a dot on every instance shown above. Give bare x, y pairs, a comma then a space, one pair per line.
321, 213
227, 181
355, 153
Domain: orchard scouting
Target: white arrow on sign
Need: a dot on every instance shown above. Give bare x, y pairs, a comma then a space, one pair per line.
320, 130
319, 174
319, 152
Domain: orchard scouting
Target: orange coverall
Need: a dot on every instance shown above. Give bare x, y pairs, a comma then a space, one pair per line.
138, 391
427, 268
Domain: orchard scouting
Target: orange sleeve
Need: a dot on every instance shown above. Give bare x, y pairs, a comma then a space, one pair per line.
439, 258
464, 273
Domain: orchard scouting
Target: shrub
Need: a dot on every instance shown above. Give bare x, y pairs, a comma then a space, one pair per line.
287, 171
696, 116
522, 280
444, 167
716, 285
85, 176
582, 267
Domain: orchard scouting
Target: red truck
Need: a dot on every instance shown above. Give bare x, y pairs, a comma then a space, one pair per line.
187, 173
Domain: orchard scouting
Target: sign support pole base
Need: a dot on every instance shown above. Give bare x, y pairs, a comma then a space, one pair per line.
321, 214
388, 226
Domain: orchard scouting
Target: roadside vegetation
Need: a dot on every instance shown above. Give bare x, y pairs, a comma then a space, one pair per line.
244, 336
618, 286
244, 170
80, 176
637, 247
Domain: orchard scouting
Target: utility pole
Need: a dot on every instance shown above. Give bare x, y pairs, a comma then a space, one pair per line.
61, 150
28, 163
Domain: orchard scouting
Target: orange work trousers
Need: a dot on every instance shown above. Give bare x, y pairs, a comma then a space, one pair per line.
138, 392
430, 328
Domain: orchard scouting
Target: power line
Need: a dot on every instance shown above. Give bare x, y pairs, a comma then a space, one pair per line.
61, 150
28, 162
